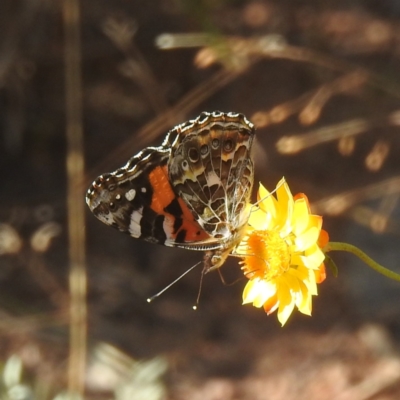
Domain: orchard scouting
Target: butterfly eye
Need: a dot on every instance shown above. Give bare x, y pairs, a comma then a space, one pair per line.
185, 165
215, 260
215, 143
193, 155
228, 145
111, 188
204, 150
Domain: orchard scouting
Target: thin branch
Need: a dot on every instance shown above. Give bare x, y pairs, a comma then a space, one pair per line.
75, 174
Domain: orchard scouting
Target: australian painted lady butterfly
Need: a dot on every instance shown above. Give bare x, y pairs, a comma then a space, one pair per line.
191, 192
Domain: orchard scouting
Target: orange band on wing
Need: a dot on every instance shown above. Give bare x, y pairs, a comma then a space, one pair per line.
163, 196
194, 232
160, 183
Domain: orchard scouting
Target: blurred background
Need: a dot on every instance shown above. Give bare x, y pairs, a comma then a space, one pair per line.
320, 80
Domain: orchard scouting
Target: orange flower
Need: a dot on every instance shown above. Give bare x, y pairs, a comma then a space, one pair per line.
284, 260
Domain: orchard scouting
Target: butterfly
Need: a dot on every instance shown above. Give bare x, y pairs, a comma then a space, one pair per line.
191, 192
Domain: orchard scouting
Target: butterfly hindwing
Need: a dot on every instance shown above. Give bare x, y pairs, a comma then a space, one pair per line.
211, 169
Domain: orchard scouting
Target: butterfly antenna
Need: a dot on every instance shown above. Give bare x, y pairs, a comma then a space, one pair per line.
196, 305
222, 277
150, 299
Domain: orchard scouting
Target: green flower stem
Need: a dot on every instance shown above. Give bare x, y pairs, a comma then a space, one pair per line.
338, 246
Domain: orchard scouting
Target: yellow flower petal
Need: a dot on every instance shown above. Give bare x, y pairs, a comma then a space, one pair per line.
305, 303
284, 207
296, 259
311, 283
314, 257
249, 292
307, 239
259, 219
300, 272
286, 303
315, 220
292, 282
300, 216
258, 292
267, 202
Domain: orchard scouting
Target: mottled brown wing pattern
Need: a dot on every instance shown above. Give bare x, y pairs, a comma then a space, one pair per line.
211, 169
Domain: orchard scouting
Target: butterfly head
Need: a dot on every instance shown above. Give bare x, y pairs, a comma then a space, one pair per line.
214, 259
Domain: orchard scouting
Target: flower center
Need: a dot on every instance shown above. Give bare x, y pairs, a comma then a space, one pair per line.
269, 255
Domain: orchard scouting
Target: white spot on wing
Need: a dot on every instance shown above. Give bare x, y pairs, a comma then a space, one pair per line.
144, 190
168, 226
130, 195
108, 218
213, 179
134, 226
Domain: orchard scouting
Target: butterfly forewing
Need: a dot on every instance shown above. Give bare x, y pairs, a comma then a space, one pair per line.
138, 199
